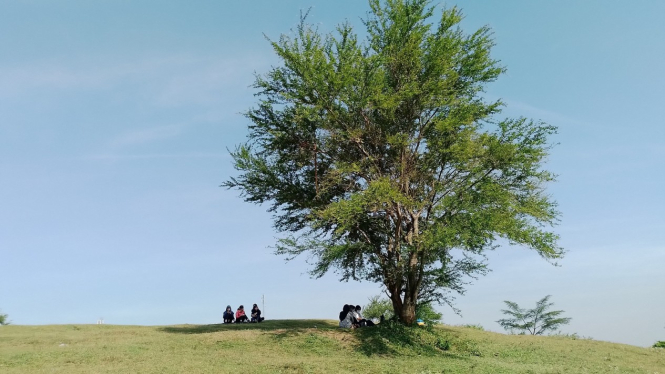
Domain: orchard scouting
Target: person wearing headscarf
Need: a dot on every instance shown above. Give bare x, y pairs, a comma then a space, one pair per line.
228, 314
346, 319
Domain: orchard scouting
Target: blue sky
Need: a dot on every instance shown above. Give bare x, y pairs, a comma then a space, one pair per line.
115, 119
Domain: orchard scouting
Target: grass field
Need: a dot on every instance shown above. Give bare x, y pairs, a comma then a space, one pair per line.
307, 346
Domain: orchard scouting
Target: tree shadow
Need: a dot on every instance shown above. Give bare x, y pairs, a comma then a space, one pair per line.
290, 327
393, 339
389, 339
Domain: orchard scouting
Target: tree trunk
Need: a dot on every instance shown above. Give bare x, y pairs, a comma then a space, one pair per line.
405, 310
408, 314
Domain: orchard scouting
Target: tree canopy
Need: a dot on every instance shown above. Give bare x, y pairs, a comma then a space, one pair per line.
382, 160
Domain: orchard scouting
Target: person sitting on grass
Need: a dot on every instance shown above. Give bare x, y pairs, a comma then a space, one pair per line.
228, 314
256, 314
361, 320
346, 319
240, 315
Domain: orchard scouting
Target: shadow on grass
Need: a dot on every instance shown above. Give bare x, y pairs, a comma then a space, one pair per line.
290, 327
394, 339
390, 339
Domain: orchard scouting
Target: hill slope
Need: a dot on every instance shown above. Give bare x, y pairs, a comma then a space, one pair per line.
307, 346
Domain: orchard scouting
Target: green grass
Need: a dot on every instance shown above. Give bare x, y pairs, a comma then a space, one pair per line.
308, 346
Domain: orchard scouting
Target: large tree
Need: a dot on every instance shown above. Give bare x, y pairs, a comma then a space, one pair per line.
382, 159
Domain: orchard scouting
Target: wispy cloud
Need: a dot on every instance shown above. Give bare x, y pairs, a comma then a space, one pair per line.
113, 157
157, 98
72, 75
211, 84
166, 80
546, 115
143, 136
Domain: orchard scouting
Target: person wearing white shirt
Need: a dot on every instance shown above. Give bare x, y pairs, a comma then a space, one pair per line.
360, 319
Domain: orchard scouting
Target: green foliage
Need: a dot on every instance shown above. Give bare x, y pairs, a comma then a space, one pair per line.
4, 319
383, 161
474, 326
378, 307
659, 344
427, 313
573, 336
535, 321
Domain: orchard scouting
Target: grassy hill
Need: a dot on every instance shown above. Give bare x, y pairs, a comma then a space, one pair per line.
307, 346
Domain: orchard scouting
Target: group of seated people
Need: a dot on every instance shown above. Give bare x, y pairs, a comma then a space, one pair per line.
350, 317
240, 316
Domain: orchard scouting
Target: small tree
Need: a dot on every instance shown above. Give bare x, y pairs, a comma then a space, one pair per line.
534, 321
378, 307
3, 319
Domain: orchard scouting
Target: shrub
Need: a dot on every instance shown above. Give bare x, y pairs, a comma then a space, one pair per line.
3, 319
475, 327
573, 336
659, 344
427, 313
378, 307
443, 345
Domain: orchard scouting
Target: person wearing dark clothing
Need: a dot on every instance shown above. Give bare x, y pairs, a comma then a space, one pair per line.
256, 314
228, 314
346, 319
362, 321
342, 314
